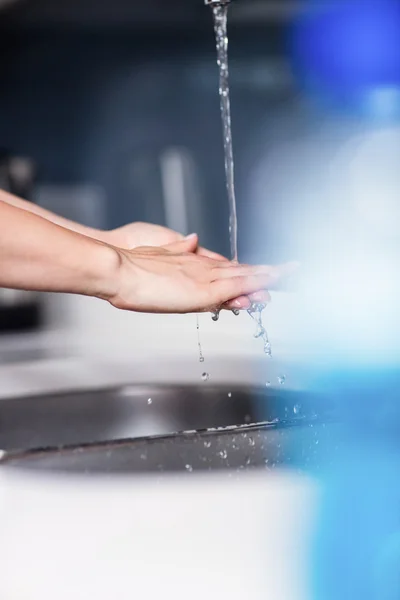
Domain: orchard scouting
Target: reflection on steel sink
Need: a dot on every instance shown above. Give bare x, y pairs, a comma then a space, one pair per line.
144, 428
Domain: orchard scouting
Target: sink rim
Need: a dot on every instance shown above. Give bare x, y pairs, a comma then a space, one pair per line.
110, 389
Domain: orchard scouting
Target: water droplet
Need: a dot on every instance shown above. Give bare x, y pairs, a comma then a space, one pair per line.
268, 349
189, 468
296, 409
223, 454
207, 444
215, 315
143, 456
247, 419
201, 357
248, 461
205, 376
251, 441
268, 384
230, 395
282, 379
236, 312
149, 401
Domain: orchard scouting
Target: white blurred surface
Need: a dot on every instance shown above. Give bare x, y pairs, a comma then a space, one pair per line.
219, 537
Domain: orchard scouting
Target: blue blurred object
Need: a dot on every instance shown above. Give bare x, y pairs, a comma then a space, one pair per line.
346, 53
356, 554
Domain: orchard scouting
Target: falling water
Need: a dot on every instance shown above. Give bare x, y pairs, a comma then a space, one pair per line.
220, 13
201, 356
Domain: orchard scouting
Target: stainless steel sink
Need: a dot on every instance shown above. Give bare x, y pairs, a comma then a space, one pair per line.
162, 429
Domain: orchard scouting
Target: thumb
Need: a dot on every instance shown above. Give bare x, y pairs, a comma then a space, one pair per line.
188, 244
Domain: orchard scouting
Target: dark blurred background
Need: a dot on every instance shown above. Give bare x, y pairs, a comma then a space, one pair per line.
117, 104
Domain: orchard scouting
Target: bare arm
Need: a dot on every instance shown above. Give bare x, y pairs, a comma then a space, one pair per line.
49, 216
36, 254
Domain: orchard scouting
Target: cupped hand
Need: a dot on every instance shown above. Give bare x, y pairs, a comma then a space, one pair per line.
173, 279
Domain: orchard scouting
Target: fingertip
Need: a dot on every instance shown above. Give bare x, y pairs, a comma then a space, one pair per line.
186, 244
262, 297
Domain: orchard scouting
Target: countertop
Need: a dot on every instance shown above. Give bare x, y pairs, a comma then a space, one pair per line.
88, 343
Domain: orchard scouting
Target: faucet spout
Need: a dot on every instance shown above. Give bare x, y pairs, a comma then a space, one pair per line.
216, 2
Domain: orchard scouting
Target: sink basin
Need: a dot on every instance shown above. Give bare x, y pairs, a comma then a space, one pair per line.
163, 429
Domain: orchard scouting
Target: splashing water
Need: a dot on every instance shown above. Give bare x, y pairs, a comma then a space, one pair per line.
255, 312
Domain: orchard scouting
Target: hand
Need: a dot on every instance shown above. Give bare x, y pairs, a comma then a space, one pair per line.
172, 279
136, 235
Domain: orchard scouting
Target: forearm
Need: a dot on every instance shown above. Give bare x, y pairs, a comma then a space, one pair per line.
36, 254
49, 216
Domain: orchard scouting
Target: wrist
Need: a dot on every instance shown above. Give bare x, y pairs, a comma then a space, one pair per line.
105, 268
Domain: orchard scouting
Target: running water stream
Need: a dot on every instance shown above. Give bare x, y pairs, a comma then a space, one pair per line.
220, 14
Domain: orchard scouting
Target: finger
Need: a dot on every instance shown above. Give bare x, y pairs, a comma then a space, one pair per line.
275, 273
213, 255
224, 290
221, 271
187, 244
241, 303
230, 264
